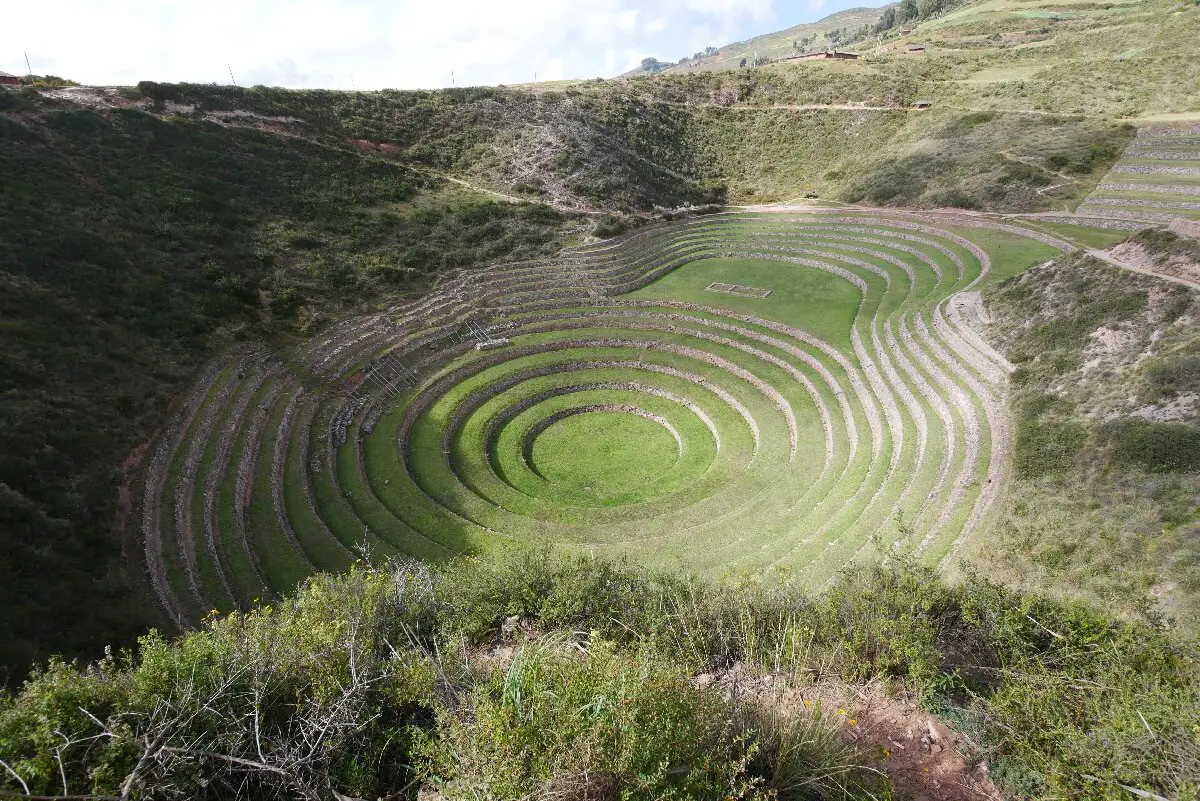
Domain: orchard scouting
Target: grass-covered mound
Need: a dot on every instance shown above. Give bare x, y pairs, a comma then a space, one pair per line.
533, 677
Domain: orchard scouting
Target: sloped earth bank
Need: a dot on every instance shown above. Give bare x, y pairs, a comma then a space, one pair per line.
923, 759
1181, 267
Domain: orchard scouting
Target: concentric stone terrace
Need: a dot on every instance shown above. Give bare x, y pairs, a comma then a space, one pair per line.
606, 401
1156, 180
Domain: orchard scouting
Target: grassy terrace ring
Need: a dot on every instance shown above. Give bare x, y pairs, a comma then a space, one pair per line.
1156, 180
845, 406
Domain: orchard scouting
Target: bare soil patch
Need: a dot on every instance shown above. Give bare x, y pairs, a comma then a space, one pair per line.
924, 759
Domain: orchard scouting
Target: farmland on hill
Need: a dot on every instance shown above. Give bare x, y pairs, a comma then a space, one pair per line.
844, 415
720, 374
213, 263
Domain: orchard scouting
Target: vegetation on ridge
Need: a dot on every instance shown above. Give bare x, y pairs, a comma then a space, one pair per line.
699, 138
525, 675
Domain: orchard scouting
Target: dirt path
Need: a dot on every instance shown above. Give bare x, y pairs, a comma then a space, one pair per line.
1108, 258
789, 206
485, 190
847, 107
1030, 163
505, 197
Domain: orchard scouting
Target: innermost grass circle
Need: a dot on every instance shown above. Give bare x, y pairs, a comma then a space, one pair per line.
607, 454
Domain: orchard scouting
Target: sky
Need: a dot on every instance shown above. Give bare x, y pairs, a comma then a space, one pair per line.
376, 44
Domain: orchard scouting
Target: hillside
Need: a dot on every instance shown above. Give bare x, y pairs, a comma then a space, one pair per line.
775, 46
210, 249
1107, 441
1028, 109
133, 247
808, 431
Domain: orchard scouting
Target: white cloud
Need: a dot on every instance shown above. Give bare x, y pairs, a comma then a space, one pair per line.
372, 44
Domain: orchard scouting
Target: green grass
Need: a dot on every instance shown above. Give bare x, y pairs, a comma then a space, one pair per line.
820, 302
315, 539
1082, 234
827, 424
1010, 254
283, 567
597, 689
475, 488
601, 458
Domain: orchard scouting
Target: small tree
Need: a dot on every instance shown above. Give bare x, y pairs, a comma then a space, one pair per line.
930, 8
887, 20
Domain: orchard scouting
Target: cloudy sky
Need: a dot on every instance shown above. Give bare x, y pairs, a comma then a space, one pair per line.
372, 44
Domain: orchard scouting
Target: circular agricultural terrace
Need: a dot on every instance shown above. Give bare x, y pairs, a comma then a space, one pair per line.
734, 394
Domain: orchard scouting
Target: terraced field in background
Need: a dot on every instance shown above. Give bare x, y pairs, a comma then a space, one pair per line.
1156, 180
623, 407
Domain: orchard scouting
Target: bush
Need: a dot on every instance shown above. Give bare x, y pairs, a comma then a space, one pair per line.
1048, 441
594, 724
1172, 373
610, 225
402, 671
1157, 447
280, 702
895, 184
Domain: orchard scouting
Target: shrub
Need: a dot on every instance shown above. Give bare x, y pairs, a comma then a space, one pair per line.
1172, 373
592, 724
286, 701
1067, 701
890, 622
964, 124
1157, 447
894, 184
1048, 441
610, 225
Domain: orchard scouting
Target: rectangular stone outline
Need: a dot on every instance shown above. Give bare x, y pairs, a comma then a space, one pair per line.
738, 290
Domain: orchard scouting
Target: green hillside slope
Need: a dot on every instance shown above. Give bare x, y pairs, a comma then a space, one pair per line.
131, 248
1107, 435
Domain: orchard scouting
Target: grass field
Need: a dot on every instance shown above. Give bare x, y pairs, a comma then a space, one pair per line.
620, 407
